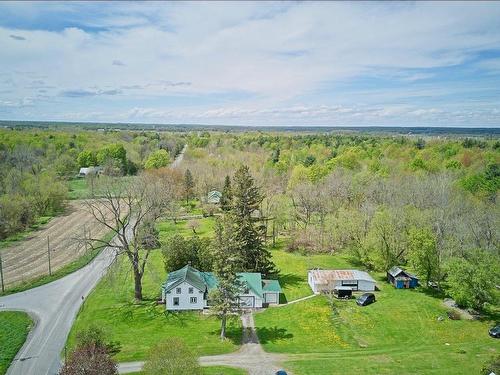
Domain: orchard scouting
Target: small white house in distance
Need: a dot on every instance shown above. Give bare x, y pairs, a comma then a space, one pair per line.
188, 288
329, 280
89, 170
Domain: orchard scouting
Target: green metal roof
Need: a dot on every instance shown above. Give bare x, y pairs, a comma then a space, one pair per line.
207, 280
190, 275
271, 286
253, 281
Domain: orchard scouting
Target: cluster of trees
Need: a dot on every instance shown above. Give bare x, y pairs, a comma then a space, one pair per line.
426, 203
28, 190
238, 245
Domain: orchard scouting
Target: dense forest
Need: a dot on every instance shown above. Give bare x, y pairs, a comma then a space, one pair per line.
426, 202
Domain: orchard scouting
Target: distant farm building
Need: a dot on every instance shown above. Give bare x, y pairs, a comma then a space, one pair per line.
401, 279
214, 197
334, 280
89, 170
188, 289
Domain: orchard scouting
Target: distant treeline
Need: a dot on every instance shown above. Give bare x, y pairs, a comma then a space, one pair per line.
416, 130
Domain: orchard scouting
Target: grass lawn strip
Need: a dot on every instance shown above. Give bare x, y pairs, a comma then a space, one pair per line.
14, 328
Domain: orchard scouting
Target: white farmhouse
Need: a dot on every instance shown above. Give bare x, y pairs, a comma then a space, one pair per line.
330, 280
187, 289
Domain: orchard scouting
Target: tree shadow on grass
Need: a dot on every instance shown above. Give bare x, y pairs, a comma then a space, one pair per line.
234, 333
273, 334
288, 280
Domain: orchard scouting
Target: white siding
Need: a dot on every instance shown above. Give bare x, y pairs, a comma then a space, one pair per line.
272, 298
257, 299
184, 298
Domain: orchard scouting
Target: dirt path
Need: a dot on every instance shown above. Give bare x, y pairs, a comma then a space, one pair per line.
28, 258
250, 356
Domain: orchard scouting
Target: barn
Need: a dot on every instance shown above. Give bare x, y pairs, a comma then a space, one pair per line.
322, 281
401, 279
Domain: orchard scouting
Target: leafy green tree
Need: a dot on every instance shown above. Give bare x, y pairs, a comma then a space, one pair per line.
171, 357
188, 185
157, 159
179, 251
226, 262
115, 152
86, 158
246, 202
423, 254
227, 195
471, 280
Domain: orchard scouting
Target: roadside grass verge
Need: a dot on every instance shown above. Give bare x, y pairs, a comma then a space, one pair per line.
136, 327
14, 328
212, 370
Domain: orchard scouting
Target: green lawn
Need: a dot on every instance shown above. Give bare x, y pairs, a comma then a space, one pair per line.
293, 270
213, 370
80, 188
400, 333
223, 370
14, 327
168, 228
137, 327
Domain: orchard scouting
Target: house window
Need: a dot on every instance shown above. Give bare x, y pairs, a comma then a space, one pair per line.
176, 301
190, 290
193, 299
178, 290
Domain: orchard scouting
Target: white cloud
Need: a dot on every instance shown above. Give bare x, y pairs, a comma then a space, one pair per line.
269, 54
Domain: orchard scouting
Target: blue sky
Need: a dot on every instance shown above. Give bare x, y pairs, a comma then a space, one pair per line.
283, 63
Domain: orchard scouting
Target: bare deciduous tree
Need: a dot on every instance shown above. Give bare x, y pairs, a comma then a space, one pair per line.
123, 208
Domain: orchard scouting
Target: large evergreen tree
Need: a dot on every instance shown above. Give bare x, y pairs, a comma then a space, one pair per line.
227, 195
248, 231
226, 263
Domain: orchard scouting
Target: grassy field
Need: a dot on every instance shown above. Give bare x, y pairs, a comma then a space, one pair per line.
14, 327
400, 333
111, 307
213, 370
293, 270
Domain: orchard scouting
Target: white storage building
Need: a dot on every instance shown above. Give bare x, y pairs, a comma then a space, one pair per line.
329, 280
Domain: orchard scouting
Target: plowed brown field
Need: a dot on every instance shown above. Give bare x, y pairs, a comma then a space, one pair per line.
28, 258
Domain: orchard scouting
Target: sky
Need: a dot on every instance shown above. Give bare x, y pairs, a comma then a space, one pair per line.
249, 63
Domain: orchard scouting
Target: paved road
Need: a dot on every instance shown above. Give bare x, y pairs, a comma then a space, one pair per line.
250, 357
179, 157
54, 307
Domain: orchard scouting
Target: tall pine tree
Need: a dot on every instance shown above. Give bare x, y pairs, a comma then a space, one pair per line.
247, 229
227, 195
226, 263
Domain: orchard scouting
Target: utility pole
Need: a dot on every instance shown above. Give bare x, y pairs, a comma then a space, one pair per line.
1, 273
48, 253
